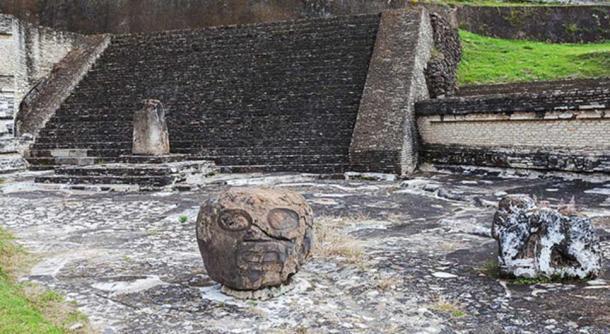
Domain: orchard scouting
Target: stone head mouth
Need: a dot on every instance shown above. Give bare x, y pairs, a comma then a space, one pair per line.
263, 255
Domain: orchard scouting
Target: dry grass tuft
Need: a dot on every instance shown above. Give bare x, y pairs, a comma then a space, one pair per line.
388, 282
331, 242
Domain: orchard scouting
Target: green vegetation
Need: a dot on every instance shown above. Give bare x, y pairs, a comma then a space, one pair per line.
183, 219
26, 307
493, 60
451, 308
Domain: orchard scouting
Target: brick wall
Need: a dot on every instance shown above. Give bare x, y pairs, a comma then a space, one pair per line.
548, 128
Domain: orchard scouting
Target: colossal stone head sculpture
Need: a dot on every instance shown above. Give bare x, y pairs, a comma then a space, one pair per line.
252, 238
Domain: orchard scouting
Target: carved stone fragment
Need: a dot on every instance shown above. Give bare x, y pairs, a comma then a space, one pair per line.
252, 238
150, 135
537, 241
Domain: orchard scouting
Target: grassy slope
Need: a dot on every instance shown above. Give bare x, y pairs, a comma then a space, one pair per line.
26, 308
492, 60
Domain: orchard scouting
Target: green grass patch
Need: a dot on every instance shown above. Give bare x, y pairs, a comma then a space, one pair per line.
183, 219
492, 60
26, 307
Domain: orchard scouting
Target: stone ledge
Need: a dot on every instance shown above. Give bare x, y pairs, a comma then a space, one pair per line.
595, 96
551, 159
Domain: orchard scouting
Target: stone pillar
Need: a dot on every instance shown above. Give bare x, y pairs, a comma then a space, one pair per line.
150, 135
385, 137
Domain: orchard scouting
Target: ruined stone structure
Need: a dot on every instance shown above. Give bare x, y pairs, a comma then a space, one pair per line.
562, 126
27, 55
254, 238
371, 93
280, 96
560, 23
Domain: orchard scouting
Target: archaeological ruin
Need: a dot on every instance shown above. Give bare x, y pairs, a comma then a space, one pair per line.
304, 166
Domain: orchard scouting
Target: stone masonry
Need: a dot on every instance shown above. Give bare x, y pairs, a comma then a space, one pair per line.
280, 96
555, 126
385, 135
27, 55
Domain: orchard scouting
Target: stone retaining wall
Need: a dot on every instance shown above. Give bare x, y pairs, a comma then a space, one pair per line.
27, 55
547, 129
557, 24
552, 23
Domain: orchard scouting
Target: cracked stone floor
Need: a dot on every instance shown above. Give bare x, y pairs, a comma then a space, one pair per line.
413, 259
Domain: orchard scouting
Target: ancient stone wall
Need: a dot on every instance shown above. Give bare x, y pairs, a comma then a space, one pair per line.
550, 129
131, 16
280, 96
385, 136
557, 24
553, 23
43, 100
27, 54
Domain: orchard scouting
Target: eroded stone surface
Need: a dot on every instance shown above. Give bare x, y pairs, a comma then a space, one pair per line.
539, 241
133, 267
252, 238
150, 134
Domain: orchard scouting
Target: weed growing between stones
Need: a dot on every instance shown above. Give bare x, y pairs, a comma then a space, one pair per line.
183, 219
27, 307
447, 307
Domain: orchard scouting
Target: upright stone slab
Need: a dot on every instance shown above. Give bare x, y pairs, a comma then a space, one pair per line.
385, 135
150, 135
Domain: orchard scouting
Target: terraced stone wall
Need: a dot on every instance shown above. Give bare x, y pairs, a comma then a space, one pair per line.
561, 126
281, 96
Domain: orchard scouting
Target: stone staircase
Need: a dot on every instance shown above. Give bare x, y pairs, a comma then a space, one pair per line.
267, 97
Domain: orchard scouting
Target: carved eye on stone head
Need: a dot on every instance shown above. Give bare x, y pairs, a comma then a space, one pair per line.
234, 220
283, 219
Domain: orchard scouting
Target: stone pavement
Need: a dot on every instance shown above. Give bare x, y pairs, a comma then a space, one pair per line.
398, 257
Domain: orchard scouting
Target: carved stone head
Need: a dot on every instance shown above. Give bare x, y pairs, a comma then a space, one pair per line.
252, 238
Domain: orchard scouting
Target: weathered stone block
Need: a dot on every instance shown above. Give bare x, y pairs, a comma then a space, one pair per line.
150, 134
539, 241
253, 238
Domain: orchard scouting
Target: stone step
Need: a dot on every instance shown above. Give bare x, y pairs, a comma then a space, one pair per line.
287, 160
303, 168
205, 118
138, 169
152, 181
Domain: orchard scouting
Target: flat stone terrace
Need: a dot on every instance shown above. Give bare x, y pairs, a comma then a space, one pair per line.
399, 257
281, 96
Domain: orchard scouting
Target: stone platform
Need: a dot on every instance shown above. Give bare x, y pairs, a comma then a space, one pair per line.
149, 173
400, 256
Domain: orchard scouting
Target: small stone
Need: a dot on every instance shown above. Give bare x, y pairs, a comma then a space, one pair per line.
75, 327
440, 274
